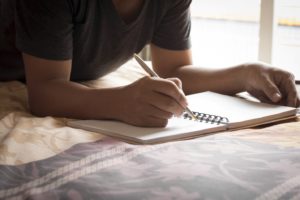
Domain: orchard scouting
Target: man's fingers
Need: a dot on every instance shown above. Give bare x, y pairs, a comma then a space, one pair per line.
298, 102
164, 103
158, 113
177, 81
155, 122
169, 88
271, 90
149, 121
292, 97
289, 88
260, 95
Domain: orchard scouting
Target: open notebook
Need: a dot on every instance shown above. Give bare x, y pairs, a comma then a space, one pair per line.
222, 113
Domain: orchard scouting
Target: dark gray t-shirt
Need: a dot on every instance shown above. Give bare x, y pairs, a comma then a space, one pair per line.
90, 32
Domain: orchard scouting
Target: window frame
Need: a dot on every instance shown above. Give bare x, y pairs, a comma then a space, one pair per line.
267, 30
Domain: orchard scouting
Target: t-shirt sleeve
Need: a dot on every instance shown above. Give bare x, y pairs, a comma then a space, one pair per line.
44, 28
173, 32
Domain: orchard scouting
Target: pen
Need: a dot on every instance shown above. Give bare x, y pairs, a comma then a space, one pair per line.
153, 74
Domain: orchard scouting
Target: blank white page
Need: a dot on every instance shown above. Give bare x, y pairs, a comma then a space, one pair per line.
240, 112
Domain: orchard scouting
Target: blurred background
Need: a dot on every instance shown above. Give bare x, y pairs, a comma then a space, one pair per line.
226, 33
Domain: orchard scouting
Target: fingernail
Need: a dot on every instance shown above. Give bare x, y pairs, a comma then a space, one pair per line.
179, 113
276, 97
185, 103
294, 103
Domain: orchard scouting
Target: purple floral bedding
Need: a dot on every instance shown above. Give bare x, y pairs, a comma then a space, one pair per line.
42, 158
213, 167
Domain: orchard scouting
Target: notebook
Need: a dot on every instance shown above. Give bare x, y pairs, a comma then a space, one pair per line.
215, 113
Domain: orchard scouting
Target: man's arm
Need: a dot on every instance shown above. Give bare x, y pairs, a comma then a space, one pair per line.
52, 93
145, 102
264, 82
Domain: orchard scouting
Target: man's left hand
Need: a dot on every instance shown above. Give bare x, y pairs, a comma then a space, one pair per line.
271, 85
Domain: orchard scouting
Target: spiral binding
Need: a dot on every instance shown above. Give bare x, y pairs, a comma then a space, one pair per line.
208, 118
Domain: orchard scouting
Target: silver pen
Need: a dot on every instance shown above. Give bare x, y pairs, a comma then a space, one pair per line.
153, 74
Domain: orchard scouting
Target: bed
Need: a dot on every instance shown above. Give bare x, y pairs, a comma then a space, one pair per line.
42, 158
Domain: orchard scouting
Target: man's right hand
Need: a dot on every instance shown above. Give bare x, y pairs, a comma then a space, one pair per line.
152, 101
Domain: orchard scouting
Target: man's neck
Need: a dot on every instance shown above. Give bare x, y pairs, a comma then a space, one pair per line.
128, 9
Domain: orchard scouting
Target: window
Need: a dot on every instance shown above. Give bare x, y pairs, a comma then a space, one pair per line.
230, 32
287, 46
224, 32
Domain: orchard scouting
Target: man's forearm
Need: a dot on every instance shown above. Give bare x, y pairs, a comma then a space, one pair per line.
69, 99
196, 79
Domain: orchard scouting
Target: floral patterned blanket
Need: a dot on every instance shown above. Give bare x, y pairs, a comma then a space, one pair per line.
42, 158
25, 138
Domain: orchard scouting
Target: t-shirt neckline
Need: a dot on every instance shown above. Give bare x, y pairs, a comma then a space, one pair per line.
122, 22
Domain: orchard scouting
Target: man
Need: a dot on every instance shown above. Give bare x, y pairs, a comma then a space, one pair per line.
64, 41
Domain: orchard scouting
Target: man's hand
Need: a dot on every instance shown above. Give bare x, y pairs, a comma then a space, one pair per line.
152, 101
271, 85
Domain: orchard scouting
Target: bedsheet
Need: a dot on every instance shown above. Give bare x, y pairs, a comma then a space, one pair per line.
220, 166
25, 138
42, 158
